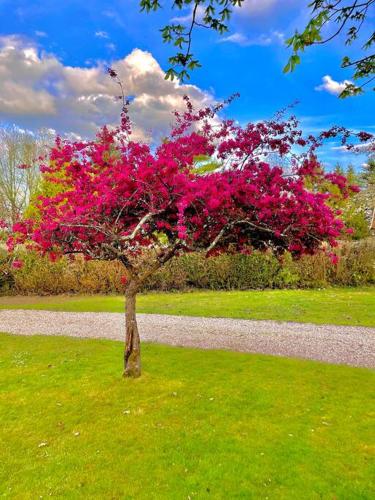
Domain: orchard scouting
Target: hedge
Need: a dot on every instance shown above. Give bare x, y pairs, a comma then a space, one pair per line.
225, 272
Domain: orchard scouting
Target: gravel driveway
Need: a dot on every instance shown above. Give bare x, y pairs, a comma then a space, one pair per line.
334, 344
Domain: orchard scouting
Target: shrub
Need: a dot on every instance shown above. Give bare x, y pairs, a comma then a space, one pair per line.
6, 272
224, 272
357, 264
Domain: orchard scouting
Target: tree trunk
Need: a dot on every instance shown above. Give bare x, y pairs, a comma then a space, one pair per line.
132, 354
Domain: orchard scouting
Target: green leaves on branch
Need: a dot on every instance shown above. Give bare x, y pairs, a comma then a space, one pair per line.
211, 14
205, 164
341, 17
293, 61
149, 5
346, 17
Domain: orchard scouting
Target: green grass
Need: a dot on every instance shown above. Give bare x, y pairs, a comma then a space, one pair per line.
341, 306
197, 424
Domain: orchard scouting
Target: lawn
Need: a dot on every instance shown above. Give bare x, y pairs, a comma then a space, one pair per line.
197, 424
341, 306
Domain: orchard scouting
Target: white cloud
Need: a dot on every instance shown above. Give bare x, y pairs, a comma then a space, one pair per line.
111, 47
331, 86
366, 147
37, 90
187, 18
263, 39
253, 7
237, 38
101, 34
115, 17
249, 8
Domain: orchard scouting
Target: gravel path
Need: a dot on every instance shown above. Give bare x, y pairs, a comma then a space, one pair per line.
334, 344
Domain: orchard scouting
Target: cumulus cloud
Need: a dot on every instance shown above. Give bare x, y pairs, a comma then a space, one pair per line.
262, 40
331, 86
37, 90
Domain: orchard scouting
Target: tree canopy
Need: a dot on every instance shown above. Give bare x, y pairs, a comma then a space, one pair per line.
328, 20
119, 199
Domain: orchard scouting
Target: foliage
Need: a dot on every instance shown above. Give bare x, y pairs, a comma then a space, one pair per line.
7, 284
118, 199
342, 14
367, 180
368, 174
356, 266
212, 14
215, 15
354, 208
359, 212
40, 276
19, 169
355, 216
44, 188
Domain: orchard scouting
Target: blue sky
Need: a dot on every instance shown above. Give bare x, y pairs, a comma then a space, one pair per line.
49, 47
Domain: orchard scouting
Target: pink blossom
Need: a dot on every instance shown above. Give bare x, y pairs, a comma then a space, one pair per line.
118, 198
17, 264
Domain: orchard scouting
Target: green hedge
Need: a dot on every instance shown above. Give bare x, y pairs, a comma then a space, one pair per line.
225, 272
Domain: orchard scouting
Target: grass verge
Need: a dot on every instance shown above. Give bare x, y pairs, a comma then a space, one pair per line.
197, 424
341, 306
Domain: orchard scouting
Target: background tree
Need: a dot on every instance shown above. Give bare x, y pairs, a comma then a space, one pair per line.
358, 209
353, 208
328, 20
19, 169
367, 196
121, 200
367, 176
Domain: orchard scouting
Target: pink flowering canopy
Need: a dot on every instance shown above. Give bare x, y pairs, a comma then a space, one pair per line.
211, 186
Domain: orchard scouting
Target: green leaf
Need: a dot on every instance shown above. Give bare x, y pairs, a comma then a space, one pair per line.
287, 67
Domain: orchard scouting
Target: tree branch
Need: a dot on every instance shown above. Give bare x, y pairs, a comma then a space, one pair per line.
138, 227
228, 226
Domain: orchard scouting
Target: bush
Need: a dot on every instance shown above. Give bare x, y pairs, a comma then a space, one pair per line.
356, 266
6, 274
225, 272
42, 277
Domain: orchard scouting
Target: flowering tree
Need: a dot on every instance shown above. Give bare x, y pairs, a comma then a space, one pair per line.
209, 187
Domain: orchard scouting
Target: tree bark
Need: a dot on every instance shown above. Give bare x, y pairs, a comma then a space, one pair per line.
132, 354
